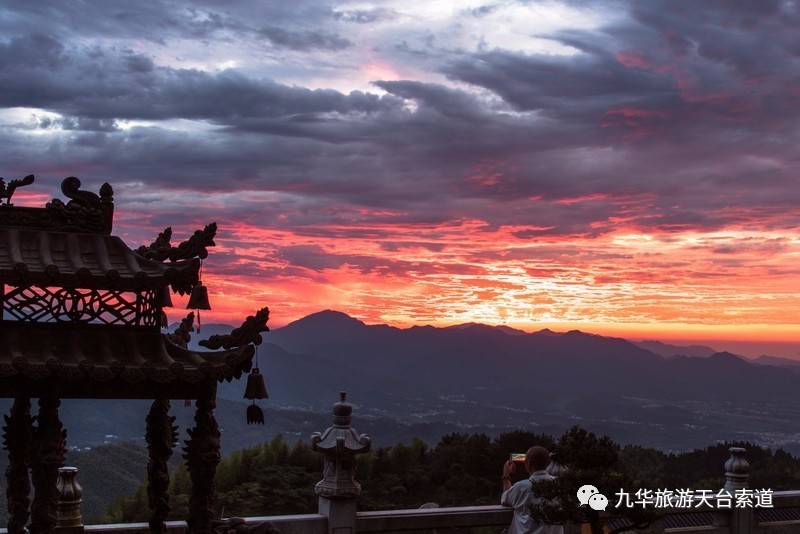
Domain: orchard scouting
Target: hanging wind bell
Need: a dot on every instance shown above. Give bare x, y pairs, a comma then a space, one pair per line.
256, 389
165, 301
198, 300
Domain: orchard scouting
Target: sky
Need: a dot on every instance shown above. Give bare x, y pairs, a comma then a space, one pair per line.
624, 168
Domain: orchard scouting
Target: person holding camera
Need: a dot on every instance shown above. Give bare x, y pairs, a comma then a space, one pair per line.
519, 496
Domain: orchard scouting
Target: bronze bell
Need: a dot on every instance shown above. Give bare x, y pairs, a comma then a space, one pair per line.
198, 300
164, 320
255, 415
165, 298
256, 389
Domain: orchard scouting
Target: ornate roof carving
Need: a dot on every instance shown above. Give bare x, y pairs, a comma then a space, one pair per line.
194, 247
68, 273
105, 354
39, 257
249, 332
341, 438
85, 212
182, 335
68, 244
7, 190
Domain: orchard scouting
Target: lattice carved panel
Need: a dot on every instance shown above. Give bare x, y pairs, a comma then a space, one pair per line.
71, 305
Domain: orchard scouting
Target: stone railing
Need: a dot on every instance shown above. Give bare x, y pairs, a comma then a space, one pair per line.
338, 494
781, 517
705, 520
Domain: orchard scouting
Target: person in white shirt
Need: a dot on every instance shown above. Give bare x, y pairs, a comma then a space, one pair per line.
519, 496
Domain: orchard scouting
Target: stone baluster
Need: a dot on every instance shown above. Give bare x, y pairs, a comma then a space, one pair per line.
737, 476
70, 495
737, 470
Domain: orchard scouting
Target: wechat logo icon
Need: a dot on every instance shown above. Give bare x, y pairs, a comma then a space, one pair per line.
591, 496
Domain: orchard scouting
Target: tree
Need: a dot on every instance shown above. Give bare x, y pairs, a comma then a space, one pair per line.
594, 461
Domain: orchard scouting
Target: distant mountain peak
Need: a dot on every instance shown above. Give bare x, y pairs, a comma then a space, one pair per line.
547, 332
667, 350
727, 356
499, 328
510, 330
329, 316
579, 333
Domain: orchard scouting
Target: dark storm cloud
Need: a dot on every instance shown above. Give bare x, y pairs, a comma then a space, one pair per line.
103, 83
669, 66
304, 40
673, 117
452, 103
152, 20
158, 21
560, 86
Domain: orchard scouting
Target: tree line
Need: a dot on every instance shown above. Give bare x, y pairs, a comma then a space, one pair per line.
277, 478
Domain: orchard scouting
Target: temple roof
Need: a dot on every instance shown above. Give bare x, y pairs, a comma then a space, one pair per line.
48, 258
103, 354
84, 339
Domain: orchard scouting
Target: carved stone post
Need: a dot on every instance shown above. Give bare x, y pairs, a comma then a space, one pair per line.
18, 438
202, 457
737, 470
737, 476
49, 446
70, 495
161, 437
338, 489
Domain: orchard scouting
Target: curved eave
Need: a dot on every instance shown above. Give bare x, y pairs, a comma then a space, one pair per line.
341, 439
107, 354
46, 258
220, 365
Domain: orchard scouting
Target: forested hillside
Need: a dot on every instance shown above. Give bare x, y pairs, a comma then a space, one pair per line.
277, 477
461, 469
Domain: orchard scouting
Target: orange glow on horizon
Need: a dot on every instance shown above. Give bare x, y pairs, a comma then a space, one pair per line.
726, 285
386, 266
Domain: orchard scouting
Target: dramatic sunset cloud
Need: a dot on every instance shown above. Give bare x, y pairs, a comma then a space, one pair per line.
627, 168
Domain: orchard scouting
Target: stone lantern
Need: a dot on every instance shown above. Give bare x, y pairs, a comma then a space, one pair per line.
338, 488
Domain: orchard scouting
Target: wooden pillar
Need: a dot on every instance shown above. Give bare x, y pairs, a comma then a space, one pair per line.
17, 440
161, 437
49, 447
202, 457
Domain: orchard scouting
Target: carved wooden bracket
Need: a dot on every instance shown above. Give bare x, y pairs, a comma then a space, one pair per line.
195, 247
181, 335
249, 332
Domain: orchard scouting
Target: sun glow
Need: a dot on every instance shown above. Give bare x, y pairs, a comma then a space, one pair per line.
716, 285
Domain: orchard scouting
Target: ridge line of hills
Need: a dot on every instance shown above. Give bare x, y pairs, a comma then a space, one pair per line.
426, 382
657, 347
477, 376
